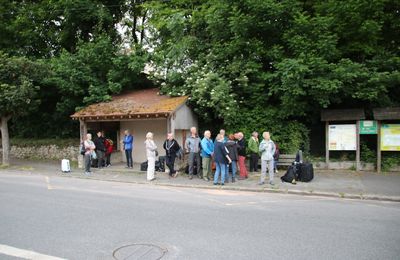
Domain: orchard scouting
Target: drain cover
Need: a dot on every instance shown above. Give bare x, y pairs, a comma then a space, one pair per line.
139, 251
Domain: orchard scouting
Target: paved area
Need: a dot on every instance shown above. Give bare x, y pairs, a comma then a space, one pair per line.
332, 183
73, 218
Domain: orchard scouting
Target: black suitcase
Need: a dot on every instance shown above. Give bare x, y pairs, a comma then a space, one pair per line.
306, 172
290, 175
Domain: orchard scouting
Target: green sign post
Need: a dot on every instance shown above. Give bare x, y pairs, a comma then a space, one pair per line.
368, 127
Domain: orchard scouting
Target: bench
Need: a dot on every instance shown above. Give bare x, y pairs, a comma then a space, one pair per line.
286, 159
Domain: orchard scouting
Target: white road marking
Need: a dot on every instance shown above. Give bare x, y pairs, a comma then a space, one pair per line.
49, 187
25, 254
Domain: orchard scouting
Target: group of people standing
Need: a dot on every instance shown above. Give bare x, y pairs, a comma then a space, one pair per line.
101, 149
227, 152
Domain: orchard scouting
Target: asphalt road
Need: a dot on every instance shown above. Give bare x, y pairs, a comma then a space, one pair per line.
87, 219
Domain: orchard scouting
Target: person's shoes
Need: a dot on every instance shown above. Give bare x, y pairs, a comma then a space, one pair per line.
131, 167
190, 177
222, 184
176, 174
276, 171
200, 177
205, 179
153, 179
216, 183
87, 173
271, 183
108, 165
127, 167
233, 180
261, 183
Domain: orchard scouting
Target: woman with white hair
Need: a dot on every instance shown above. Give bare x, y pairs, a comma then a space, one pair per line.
151, 149
267, 149
89, 152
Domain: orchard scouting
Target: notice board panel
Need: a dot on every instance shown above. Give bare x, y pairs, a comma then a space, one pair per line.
342, 137
390, 137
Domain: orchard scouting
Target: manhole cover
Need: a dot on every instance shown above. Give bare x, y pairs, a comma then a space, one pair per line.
139, 251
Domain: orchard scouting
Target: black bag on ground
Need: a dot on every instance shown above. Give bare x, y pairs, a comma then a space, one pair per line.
290, 175
159, 165
306, 172
143, 166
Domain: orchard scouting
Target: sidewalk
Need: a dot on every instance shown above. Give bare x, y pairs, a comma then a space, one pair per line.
331, 183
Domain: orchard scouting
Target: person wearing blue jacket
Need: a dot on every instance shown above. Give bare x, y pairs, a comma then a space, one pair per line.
128, 146
221, 159
207, 151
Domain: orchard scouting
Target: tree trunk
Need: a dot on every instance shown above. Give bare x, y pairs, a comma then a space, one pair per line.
5, 140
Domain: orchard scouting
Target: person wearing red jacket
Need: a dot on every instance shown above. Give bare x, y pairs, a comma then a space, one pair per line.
108, 144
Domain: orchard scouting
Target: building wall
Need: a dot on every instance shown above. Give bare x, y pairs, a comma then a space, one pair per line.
139, 129
184, 118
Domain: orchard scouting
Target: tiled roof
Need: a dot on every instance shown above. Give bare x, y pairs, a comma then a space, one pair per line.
147, 102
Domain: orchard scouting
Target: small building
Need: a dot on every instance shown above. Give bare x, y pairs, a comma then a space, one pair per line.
139, 112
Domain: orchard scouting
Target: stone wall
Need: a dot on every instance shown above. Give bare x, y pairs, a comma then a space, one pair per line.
45, 152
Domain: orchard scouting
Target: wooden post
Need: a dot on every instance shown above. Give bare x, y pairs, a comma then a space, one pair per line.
379, 154
327, 144
358, 145
82, 129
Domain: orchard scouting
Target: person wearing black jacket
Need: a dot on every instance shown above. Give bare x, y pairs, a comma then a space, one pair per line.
100, 149
242, 156
171, 147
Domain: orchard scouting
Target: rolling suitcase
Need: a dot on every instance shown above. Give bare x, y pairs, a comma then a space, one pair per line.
65, 167
306, 172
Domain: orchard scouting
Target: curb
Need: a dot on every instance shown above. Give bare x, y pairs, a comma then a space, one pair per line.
337, 195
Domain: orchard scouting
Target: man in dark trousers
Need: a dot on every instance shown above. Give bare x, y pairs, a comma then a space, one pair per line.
171, 147
100, 149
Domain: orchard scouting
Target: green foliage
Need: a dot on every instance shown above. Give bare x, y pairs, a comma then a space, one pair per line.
390, 160
273, 65
367, 155
18, 85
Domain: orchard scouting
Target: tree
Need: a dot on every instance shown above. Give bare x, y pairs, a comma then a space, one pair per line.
18, 90
256, 65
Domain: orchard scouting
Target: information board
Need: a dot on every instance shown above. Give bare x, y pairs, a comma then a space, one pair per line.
368, 127
342, 137
390, 137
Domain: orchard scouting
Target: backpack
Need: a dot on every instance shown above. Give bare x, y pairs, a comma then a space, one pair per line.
290, 175
82, 149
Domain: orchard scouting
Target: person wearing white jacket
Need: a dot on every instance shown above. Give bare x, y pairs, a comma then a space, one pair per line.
267, 150
151, 149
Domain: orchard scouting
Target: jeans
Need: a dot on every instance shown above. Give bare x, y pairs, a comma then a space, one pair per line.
220, 169
206, 167
194, 157
275, 165
233, 166
128, 154
100, 158
170, 161
254, 162
108, 159
264, 165
88, 161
